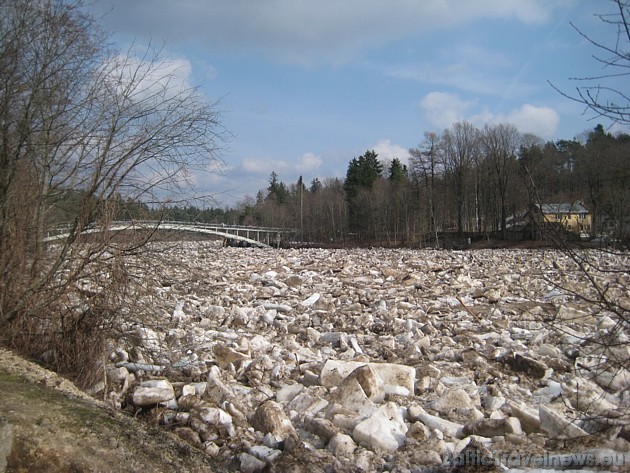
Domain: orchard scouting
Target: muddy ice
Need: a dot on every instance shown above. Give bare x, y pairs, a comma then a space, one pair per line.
380, 360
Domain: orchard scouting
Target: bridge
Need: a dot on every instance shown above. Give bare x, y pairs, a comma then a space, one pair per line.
262, 237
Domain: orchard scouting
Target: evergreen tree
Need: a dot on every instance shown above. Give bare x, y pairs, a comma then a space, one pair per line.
362, 172
316, 185
397, 171
278, 191
360, 177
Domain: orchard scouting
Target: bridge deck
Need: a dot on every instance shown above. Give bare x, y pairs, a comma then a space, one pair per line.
263, 237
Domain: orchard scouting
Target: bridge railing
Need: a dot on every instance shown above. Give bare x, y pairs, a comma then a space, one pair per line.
207, 225
65, 227
267, 236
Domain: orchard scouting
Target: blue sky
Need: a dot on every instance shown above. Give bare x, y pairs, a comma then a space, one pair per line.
306, 85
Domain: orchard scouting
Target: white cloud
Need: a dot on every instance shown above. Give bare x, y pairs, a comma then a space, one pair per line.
466, 68
309, 162
228, 190
387, 151
208, 71
442, 109
264, 165
217, 166
253, 176
301, 29
541, 121
145, 78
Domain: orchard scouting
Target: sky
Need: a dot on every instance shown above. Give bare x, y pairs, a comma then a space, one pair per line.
304, 86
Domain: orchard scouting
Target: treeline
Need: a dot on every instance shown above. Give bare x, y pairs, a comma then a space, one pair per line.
132, 210
68, 203
464, 179
460, 181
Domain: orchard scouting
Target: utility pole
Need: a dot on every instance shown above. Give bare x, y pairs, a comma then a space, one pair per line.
301, 184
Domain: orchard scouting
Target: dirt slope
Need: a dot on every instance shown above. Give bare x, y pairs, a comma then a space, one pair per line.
57, 428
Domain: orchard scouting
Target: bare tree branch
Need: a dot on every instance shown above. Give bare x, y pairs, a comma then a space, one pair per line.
607, 101
83, 127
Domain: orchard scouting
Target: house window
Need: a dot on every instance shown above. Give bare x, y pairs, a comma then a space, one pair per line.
583, 216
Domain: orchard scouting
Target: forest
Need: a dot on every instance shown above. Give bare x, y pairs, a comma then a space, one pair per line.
464, 180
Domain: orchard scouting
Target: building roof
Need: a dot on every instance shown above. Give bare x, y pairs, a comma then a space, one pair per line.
574, 208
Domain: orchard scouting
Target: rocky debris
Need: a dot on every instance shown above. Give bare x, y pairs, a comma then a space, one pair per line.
152, 392
342, 445
271, 418
371, 360
557, 426
384, 430
451, 399
443, 427
225, 356
250, 464
486, 427
395, 379
528, 417
530, 366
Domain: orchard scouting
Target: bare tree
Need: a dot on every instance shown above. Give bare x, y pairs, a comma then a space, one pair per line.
82, 127
500, 144
599, 95
426, 163
460, 149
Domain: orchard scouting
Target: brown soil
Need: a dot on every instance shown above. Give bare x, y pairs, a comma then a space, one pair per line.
57, 428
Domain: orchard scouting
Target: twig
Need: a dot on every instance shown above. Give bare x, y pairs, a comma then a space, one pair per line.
473, 315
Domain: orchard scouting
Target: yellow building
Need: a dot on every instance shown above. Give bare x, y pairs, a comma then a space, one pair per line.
575, 218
